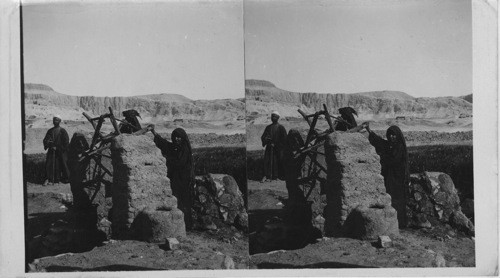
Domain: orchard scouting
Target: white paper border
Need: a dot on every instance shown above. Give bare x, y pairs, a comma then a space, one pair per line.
485, 137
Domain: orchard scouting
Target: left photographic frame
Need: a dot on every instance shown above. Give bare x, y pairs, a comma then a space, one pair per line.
133, 123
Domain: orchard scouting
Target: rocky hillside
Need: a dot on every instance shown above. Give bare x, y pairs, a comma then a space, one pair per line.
263, 96
41, 101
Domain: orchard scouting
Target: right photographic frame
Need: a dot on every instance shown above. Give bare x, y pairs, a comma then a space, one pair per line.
360, 134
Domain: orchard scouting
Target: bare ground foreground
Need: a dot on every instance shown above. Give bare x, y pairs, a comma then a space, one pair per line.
442, 147
199, 250
223, 248
227, 247
435, 247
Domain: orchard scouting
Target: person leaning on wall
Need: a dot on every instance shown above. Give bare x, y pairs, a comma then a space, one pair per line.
395, 169
178, 154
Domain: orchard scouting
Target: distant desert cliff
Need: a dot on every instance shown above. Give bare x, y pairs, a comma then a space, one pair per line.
155, 107
262, 96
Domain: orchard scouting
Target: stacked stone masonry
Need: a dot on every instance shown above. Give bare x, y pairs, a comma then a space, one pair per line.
140, 184
433, 200
218, 201
357, 203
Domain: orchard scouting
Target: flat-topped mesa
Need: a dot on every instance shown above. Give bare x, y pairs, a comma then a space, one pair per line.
261, 94
357, 203
143, 205
258, 83
39, 87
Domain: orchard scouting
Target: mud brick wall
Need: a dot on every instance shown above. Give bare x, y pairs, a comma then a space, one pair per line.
139, 181
353, 179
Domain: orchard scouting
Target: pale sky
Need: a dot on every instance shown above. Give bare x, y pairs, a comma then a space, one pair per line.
421, 47
194, 49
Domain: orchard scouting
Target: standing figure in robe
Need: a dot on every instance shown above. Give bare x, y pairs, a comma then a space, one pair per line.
180, 169
56, 141
274, 140
395, 169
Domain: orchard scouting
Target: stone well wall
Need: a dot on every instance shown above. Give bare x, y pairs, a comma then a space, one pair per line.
357, 202
433, 200
140, 183
218, 201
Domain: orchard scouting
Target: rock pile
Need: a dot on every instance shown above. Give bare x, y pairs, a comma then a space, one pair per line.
433, 199
218, 201
158, 225
141, 187
358, 205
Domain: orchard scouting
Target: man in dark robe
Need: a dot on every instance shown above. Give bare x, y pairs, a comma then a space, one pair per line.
178, 154
347, 122
394, 161
56, 141
274, 140
131, 123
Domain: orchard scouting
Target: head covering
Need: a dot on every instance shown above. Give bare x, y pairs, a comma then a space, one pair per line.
399, 134
347, 110
131, 113
276, 113
131, 117
347, 114
294, 139
57, 116
399, 148
181, 133
183, 154
77, 145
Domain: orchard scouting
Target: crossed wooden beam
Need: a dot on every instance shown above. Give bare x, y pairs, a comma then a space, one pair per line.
99, 144
313, 142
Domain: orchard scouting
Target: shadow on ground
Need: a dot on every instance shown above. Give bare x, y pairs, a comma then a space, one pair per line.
39, 222
257, 218
115, 267
316, 265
